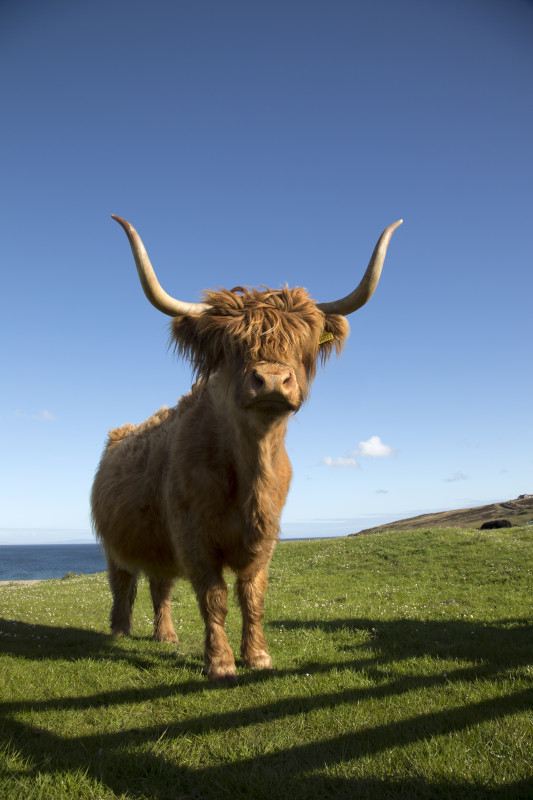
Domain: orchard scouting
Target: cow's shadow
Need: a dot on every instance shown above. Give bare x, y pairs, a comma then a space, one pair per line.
494, 646
47, 642
114, 759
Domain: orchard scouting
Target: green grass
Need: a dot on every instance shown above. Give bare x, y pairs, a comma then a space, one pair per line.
403, 670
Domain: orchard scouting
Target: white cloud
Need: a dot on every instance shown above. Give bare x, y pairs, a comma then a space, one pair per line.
45, 415
382, 491
457, 476
340, 462
373, 448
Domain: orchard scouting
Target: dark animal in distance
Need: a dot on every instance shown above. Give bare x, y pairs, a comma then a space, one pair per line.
200, 487
496, 523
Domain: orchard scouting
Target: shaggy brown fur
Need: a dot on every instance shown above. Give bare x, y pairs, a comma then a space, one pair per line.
200, 487
257, 326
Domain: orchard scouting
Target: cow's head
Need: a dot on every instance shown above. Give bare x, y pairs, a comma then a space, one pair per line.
264, 344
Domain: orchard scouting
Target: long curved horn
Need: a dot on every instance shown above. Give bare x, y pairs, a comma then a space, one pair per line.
151, 286
365, 290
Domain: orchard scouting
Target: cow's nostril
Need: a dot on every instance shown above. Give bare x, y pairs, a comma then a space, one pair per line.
257, 380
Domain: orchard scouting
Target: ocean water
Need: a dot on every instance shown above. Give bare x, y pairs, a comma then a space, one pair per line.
27, 562
24, 562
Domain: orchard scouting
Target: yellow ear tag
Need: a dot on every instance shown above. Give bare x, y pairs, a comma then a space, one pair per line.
326, 337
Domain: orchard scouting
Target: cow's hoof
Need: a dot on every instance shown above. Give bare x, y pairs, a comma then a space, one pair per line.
221, 676
166, 637
259, 660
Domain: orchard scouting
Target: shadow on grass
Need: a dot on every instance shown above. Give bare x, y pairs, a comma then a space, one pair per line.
137, 771
36, 642
132, 762
507, 643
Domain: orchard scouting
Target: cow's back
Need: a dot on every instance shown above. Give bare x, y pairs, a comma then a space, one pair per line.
126, 496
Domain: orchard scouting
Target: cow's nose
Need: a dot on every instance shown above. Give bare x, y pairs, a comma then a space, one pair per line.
269, 379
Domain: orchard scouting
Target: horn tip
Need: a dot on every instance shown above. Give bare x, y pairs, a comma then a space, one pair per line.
123, 222
390, 230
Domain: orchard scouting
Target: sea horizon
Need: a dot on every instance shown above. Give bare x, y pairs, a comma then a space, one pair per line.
303, 529
24, 561
17, 537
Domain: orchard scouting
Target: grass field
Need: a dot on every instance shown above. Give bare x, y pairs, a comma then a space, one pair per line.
403, 670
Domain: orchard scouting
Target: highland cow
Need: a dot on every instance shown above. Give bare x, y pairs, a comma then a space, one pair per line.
496, 523
200, 487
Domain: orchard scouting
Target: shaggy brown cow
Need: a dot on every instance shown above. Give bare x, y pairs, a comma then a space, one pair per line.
201, 486
496, 523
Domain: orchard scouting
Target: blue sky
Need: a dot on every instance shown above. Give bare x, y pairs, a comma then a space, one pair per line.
270, 143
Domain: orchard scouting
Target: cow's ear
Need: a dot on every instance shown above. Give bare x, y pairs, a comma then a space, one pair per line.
200, 342
334, 335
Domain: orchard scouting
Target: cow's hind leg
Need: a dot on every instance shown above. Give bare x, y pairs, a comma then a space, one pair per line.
161, 591
124, 589
251, 588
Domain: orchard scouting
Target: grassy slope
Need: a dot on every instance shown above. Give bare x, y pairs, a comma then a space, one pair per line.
518, 512
403, 669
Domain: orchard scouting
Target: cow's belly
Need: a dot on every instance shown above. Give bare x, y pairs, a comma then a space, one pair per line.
140, 543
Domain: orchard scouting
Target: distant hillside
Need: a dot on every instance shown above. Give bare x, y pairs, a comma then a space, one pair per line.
518, 512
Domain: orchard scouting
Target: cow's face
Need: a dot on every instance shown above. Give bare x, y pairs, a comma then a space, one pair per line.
257, 396
263, 345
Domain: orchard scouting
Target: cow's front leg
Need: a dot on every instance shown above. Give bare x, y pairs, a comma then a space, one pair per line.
251, 590
212, 594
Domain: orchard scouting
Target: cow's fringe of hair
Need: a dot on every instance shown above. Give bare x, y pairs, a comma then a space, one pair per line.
257, 325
